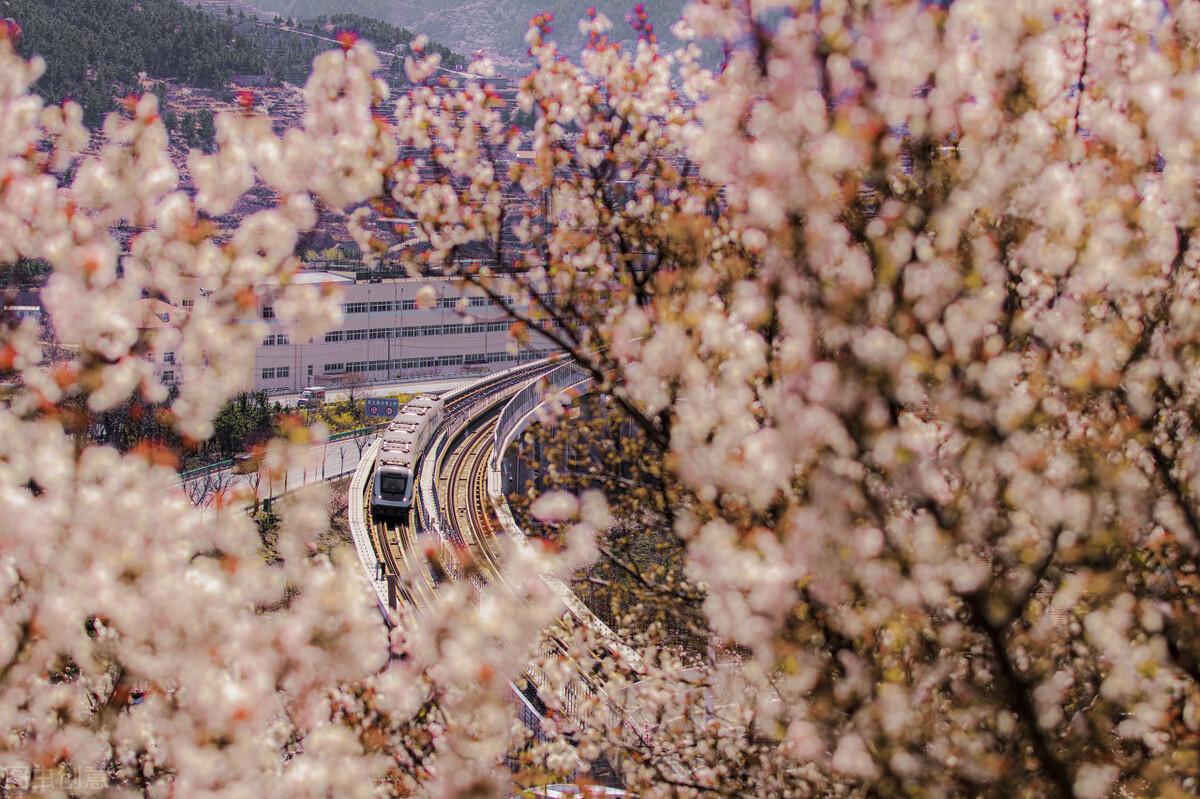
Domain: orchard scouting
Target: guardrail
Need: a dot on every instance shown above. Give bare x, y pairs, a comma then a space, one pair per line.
431, 510
516, 414
362, 431
358, 527
520, 411
514, 418
201, 471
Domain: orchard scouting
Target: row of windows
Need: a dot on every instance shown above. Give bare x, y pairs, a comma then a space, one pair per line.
277, 339
388, 306
273, 372
425, 363
416, 330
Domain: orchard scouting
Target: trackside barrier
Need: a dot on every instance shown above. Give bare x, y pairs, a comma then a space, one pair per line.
362, 431
430, 508
516, 414
569, 379
201, 471
526, 712
561, 384
358, 525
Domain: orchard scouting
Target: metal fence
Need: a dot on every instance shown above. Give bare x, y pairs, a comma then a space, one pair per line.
201, 471
431, 510
520, 405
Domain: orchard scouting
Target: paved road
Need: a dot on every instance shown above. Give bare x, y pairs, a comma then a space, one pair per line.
435, 386
324, 462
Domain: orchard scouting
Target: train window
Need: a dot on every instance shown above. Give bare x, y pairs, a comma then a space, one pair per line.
392, 486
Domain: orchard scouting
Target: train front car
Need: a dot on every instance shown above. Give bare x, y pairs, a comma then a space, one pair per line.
394, 483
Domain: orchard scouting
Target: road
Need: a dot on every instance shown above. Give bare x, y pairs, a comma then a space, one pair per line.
433, 386
326, 461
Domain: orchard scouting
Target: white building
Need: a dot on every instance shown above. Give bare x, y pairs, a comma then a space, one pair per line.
386, 337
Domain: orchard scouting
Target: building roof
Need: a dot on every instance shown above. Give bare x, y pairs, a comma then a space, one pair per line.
156, 313
320, 276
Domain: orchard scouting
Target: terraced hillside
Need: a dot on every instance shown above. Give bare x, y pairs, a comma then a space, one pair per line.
494, 26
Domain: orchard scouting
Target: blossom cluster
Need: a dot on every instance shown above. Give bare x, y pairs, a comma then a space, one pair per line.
901, 303
904, 299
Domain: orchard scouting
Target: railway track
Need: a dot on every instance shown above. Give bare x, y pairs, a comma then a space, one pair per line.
411, 574
464, 482
459, 508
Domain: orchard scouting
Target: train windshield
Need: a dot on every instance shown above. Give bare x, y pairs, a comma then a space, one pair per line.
393, 485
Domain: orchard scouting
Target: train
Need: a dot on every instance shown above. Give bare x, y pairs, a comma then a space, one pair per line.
406, 437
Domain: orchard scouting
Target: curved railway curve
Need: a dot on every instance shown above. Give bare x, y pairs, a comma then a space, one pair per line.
462, 511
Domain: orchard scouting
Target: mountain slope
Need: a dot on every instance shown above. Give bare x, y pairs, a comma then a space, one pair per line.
494, 26
94, 49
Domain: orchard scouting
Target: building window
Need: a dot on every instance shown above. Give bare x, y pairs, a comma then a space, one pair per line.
276, 339
336, 335
268, 312
382, 307
354, 307
333, 368
268, 373
283, 371
188, 303
408, 305
168, 377
168, 357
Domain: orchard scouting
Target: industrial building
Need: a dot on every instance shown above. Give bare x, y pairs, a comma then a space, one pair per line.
385, 337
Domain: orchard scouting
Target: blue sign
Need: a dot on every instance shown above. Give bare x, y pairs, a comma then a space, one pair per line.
379, 406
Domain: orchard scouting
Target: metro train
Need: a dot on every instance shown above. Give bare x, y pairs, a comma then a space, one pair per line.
404, 440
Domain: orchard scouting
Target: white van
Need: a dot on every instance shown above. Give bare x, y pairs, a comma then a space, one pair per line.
311, 397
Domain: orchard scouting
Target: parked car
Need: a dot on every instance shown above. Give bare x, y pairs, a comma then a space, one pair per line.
247, 462
311, 397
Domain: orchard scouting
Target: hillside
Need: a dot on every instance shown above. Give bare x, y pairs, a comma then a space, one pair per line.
494, 26
94, 63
